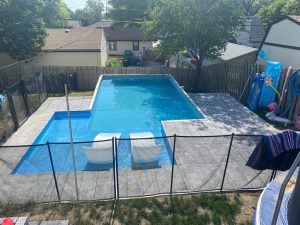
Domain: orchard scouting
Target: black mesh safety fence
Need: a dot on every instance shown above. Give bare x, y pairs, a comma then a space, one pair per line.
7, 125
239, 176
35, 91
55, 83
144, 166
23, 174
23, 98
17, 103
94, 177
200, 163
127, 168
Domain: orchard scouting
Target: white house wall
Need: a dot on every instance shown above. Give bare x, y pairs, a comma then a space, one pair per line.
68, 59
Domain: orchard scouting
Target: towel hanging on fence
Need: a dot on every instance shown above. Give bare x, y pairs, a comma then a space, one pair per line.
275, 151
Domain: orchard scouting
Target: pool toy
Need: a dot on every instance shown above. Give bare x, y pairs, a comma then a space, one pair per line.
255, 91
268, 94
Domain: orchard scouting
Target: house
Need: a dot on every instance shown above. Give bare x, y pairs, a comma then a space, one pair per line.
253, 34
78, 46
282, 42
115, 40
232, 54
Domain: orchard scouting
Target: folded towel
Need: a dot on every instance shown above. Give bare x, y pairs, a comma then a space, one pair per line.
278, 143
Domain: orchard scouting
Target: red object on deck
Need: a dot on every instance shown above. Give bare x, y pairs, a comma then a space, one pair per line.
7, 221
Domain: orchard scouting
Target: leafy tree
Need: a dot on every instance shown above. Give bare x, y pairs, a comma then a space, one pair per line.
91, 13
55, 13
250, 7
275, 10
22, 32
203, 27
129, 10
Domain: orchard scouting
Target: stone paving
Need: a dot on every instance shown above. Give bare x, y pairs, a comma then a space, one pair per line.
200, 162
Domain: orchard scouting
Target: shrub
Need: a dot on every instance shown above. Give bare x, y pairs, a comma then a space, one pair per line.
114, 63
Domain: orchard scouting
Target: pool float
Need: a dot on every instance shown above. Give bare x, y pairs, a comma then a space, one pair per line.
268, 94
255, 91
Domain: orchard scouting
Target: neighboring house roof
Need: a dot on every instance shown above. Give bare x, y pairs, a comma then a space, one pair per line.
80, 39
295, 18
233, 51
125, 34
257, 31
73, 23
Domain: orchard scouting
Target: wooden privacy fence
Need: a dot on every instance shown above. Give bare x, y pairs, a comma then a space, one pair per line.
225, 77
87, 77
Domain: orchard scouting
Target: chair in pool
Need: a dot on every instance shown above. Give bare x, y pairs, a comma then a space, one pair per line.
101, 152
144, 152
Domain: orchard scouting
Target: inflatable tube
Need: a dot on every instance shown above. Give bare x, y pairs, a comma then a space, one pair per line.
255, 91
268, 94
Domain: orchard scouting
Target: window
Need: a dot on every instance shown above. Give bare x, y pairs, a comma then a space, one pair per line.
136, 46
112, 46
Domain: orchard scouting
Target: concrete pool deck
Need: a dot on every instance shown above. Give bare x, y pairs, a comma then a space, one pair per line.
199, 161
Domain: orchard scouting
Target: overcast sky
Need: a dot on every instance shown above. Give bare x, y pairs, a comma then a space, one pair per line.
77, 4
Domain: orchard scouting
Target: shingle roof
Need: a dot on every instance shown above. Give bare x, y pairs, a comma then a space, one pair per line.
297, 18
257, 31
124, 34
233, 51
81, 39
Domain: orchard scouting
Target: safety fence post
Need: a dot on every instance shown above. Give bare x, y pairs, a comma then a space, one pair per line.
117, 168
23, 90
12, 110
53, 171
114, 165
173, 162
226, 164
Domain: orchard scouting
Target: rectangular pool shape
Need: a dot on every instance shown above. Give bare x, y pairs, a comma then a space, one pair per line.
122, 104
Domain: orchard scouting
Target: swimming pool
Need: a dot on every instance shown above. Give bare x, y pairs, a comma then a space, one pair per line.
121, 104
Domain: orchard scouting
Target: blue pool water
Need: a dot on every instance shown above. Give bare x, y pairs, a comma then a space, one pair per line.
123, 104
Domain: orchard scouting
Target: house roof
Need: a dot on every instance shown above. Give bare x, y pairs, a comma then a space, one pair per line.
295, 18
79, 39
125, 34
257, 31
233, 51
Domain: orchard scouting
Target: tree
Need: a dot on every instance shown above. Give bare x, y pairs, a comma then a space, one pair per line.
91, 13
203, 27
129, 10
275, 10
22, 32
55, 13
250, 7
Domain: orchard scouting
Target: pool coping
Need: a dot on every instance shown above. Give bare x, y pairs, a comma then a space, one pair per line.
173, 81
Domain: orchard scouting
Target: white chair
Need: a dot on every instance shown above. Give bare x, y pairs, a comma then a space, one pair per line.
145, 152
101, 152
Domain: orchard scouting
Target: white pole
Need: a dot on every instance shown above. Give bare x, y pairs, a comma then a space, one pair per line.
71, 141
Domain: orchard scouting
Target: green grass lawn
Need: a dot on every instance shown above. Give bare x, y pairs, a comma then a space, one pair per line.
202, 209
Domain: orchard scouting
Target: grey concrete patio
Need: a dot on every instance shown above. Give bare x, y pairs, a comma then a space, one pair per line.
200, 162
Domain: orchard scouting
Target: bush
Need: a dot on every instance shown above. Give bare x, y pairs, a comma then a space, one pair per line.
114, 63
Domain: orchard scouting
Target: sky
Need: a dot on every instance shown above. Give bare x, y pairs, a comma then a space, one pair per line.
77, 4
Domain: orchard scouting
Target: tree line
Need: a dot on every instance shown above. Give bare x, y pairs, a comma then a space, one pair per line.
201, 27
